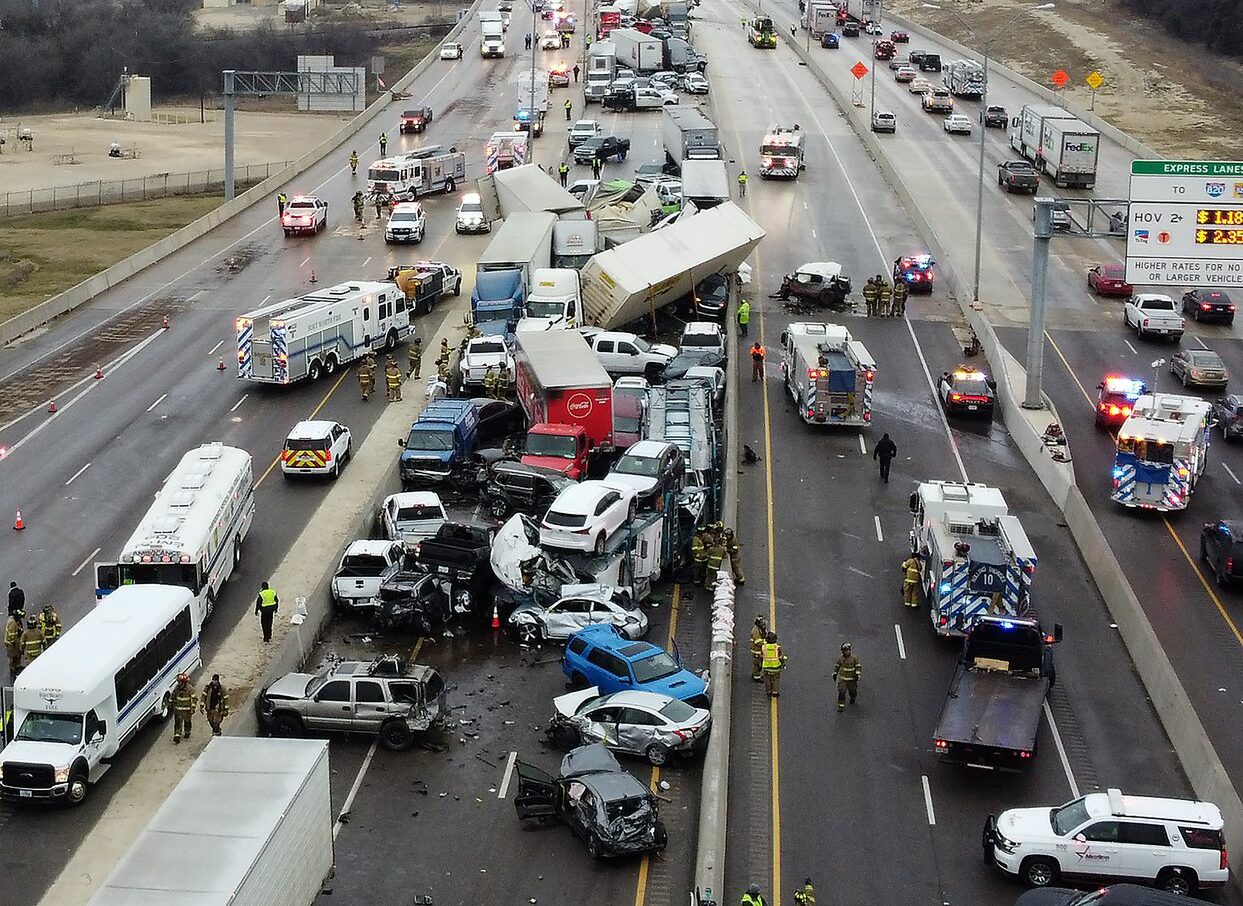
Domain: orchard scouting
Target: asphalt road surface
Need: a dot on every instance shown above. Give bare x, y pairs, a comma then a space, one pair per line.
858, 801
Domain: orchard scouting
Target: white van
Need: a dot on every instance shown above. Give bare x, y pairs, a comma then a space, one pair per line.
80, 701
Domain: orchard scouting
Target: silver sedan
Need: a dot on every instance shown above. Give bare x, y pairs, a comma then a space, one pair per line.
647, 724
578, 607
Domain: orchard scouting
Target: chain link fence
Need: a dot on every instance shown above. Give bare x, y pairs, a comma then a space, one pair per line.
114, 191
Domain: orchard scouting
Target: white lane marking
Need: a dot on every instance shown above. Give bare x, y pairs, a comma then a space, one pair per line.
239, 402
509, 772
880, 536
1230, 472
163, 396
74, 476
813, 235
1134, 351
1061, 752
358, 782
1202, 343
366, 262
897, 631
82, 565
932, 815
211, 352
91, 384
265, 300
265, 225
805, 208
304, 261
863, 447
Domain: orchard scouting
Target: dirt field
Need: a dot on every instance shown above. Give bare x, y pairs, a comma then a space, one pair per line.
34, 263
1179, 98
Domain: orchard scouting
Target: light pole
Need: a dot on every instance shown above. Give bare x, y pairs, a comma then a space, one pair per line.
880, 11
531, 110
979, 189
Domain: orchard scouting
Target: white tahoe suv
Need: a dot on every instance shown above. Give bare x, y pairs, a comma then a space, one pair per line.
1176, 844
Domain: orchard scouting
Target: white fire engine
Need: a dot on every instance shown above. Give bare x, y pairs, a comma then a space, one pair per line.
781, 154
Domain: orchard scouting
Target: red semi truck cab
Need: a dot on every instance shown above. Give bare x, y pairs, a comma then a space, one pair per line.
567, 397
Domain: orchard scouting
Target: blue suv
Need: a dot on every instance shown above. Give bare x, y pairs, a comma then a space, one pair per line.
601, 656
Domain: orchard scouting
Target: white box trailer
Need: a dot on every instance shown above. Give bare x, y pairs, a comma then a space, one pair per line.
647, 273
688, 134
638, 51
318, 333
524, 242
1069, 150
1027, 129
249, 824
525, 188
705, 183
819, 16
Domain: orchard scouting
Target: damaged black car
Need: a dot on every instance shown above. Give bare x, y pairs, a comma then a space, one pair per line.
611, 811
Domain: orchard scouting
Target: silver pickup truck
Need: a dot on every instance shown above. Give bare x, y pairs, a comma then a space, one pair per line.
385, 697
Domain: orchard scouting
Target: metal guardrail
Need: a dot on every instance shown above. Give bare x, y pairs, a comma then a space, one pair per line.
114, 191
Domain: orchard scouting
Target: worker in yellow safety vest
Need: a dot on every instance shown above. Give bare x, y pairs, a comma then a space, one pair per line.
774, 661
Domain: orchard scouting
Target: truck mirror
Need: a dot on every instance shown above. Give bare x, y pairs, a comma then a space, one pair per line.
783, 338
1015, 122
992, 384
913, 503
1057, 634
401, 442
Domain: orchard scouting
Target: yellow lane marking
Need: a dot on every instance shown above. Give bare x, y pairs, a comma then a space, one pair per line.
640, 893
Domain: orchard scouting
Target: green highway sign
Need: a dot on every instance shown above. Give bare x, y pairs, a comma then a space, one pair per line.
1186, 168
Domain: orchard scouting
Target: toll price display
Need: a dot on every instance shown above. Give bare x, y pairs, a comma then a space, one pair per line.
1220, 216
1219, 237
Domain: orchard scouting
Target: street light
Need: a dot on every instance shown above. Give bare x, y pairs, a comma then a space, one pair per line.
979, 191
880, 11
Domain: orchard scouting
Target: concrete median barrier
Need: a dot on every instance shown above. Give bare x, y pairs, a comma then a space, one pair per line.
88, 289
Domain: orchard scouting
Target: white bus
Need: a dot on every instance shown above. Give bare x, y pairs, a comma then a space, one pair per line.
80, 701
192, 535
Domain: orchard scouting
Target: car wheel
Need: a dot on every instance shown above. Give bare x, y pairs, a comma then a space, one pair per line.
529, 633
498, 507
1139, 332
315, 370
1178, 881
330, 365
396, 736
390, 341
595, 848
76, 792
165, 708
1038, 871
634, 507
600, 539
286, 726
656, 754
450, 185
457, 287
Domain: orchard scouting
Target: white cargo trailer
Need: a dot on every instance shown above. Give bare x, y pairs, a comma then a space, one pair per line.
636, 50
525, 188
250, 823
1069, 152
647, 273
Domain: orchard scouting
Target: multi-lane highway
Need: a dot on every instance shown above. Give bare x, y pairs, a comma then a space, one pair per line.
856, 801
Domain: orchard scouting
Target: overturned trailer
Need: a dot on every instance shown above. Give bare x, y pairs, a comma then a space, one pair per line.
525, 188
633, 280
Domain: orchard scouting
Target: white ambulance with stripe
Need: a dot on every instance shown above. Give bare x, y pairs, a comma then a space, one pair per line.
1162, 451
974, 557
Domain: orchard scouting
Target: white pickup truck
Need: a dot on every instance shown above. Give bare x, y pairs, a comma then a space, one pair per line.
483, 353
1153, 313
627, 353
364, 567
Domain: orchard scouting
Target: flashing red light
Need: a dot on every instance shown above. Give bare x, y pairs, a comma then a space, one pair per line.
1025, 754
956, 397
867, 416
1225, 860
942, 745
811, 413
869, 375
945, 621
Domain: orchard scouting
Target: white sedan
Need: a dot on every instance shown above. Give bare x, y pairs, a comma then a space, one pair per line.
578, 607
451, 51
584, 515
694, 83
551, 40
957, 122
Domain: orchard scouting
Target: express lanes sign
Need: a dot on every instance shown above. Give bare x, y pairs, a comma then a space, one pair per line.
1185, 224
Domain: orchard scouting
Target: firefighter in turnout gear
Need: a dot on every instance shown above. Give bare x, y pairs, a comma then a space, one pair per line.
774, 661
31, 641
358, 206
489, 383
13, 642
502, 380
699, 556
214, 702
716, 554
414, 353
366, 377
870, 295
847, 671
734, 549
759, 632
805, 895
444, 348
392, 381
900, 291
49, 624
910, 581
442, 370
183, 708
884, 296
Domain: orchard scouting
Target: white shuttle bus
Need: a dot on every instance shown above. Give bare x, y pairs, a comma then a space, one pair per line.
192, 535
84, 698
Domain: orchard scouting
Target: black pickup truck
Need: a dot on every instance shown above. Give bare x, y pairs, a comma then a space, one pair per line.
457, 551
991, 714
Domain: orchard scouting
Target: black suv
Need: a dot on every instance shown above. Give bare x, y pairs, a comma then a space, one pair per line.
514, 487
602, 147
1221, 547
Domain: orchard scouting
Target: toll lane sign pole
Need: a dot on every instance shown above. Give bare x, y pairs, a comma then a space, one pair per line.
1185, 226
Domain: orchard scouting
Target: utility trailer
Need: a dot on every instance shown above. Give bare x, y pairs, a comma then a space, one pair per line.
830, 375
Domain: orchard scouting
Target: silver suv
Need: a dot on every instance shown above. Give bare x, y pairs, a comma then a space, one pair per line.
386, 696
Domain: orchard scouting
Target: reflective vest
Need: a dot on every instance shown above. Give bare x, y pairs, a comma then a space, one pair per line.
773, 658
716, 553
742, 179
744, 313
698, 553
757, 353
563, 169
183, 697
848, 669
870, 292
748, 900
393, 378
806, 896
568, 104
267, 598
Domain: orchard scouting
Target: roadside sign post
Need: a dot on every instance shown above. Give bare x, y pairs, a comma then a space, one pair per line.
856, 90
1095, 80
1185, 223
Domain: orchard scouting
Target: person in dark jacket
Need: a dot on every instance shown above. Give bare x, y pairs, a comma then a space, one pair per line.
17, 599
884, 453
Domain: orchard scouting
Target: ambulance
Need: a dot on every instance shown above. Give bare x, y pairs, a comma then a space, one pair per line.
1162, 450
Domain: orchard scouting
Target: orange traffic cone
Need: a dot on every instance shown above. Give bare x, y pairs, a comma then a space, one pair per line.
99, 372
313, 278
51, 407
220, 364
496, 617
19, 523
